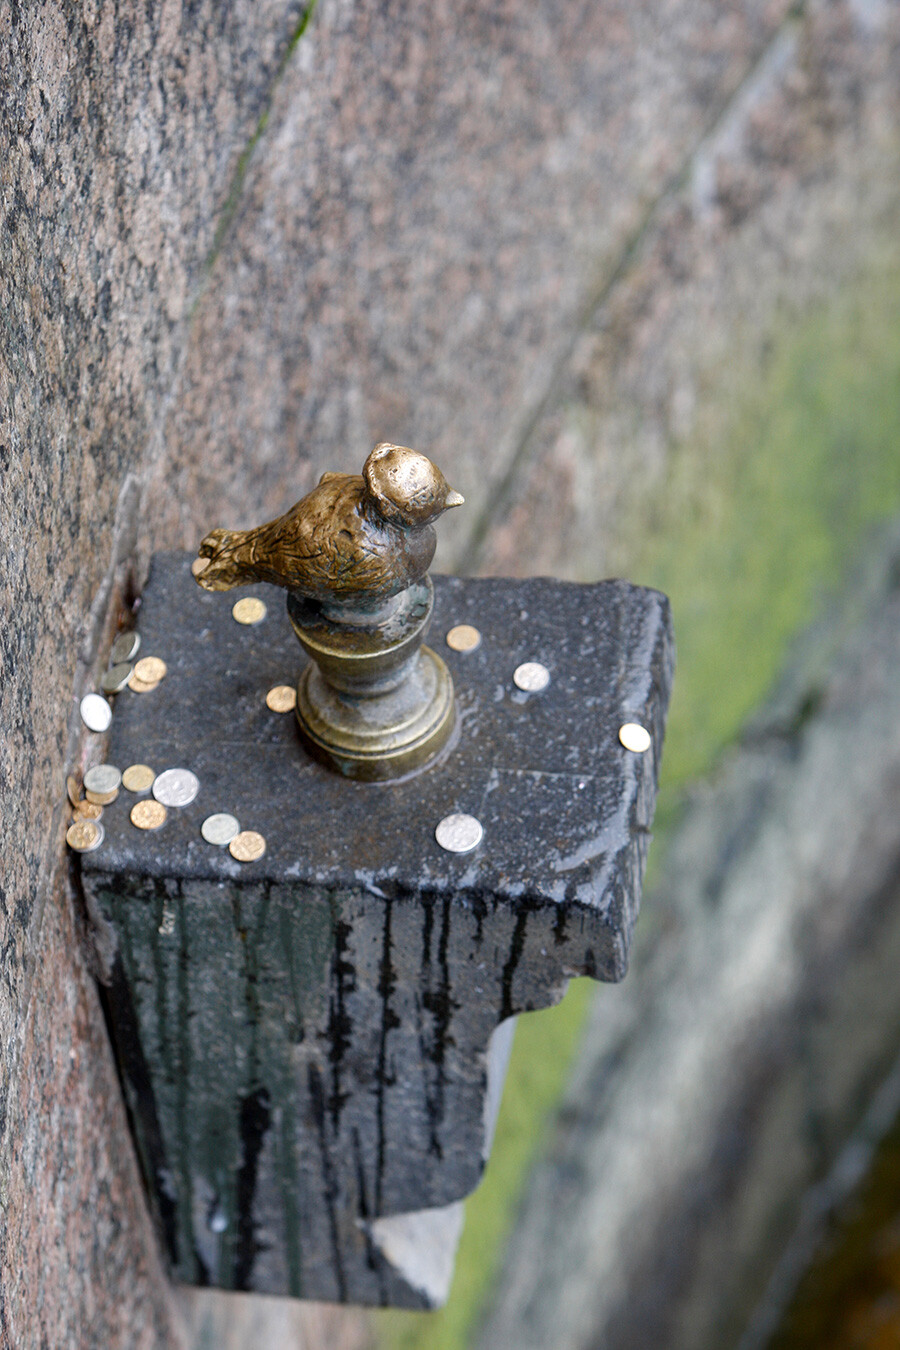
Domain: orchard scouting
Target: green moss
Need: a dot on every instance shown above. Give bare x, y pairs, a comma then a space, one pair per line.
752, 529
752, 533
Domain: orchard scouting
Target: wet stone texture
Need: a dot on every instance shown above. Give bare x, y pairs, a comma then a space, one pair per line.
306, 1040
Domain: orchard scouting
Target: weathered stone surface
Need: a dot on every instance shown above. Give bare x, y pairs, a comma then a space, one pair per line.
120, 130
721, 1080
793, 195
307, 1041
439, 194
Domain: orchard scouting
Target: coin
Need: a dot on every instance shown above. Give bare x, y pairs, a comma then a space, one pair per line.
73, 790
247, 846
95, 712
250, 610
150, 670
116, 678
283, 698
102, 778
463, 638
459, 833
101, 798
531, 676
634, 737
141, 686
84, 836
199, 565
138, 777
220, 829
148, 814
125, 648
176, 787
87, 811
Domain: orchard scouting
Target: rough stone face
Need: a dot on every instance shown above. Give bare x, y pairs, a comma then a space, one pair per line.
413, 263
306, 1040
721, 1081
794, 194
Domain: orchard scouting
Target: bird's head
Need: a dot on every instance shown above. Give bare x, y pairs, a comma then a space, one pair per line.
406, 487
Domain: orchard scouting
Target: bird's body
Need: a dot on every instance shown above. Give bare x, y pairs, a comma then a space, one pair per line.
358, 538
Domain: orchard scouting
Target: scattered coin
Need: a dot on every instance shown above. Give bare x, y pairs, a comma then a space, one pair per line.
531, 676
84, 836
634, 737
95, 712
148, 814
141, 686
101, 798
176, 787
88, 811
247, 846
220, 829
250, 610
463, 638
103, 778
125, 648
459, 833
138, 778
150, 670
283, 698
112, 681
199, 565
73, 790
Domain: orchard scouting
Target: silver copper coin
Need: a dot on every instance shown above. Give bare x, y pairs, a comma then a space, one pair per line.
103, 778
125, 648
96, 714
459, 833
114, 680
176, 787
531, 676
220, 829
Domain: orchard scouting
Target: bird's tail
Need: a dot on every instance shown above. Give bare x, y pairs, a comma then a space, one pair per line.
227, 559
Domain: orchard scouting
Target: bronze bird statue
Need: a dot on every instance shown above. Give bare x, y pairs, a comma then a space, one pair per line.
356, 538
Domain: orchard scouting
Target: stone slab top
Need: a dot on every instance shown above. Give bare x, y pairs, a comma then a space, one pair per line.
565, 807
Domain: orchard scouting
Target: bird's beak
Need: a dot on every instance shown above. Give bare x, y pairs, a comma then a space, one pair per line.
454, 499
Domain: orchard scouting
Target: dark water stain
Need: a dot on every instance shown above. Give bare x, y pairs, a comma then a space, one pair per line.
332, 1187
255, 1115
340, 1023
387, 982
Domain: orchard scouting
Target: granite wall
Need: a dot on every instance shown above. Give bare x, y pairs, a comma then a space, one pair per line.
242, 242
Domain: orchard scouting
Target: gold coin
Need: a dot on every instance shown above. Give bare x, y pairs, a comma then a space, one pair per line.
283, 698
249, 610
199, 565
148, 814
87, 811
84, 835
149, 670
247, 846
101, 798
138, 778
73, 789
634, 737
463, 638
141, 686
